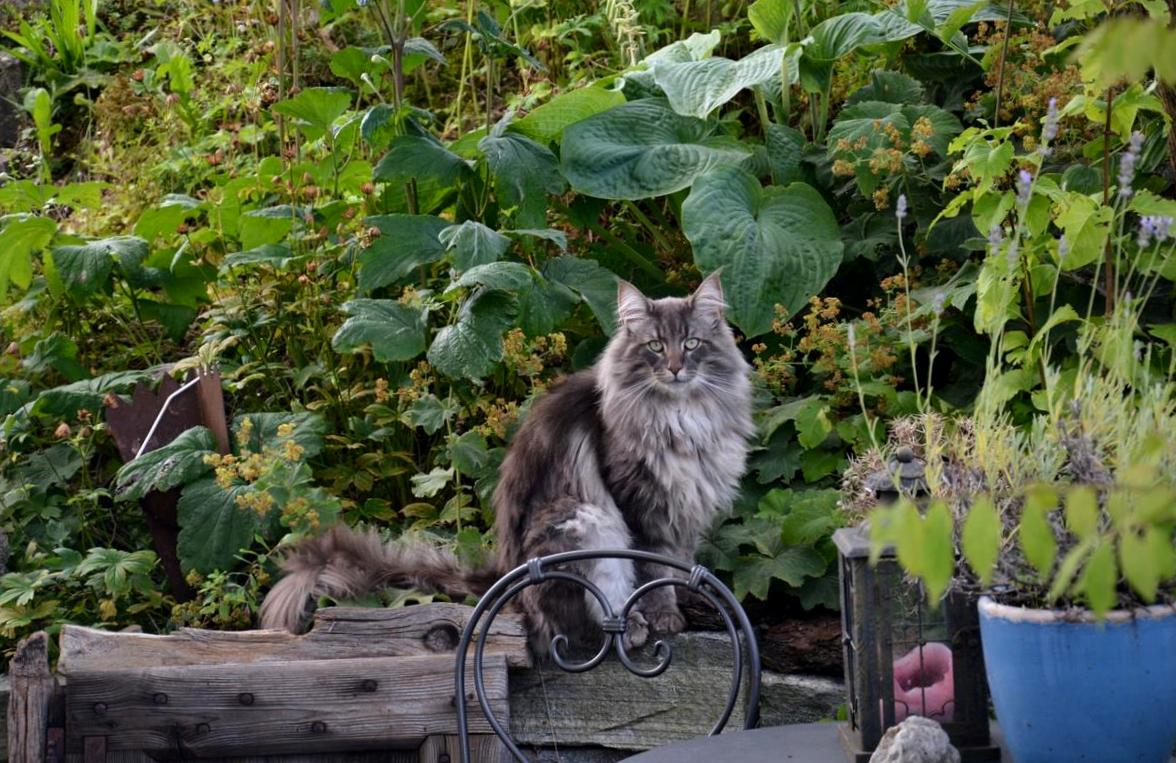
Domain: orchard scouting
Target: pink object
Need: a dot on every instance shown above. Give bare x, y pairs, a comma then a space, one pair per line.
924, 684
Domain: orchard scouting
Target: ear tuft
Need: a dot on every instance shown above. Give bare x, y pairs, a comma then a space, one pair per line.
708, 297
632, 306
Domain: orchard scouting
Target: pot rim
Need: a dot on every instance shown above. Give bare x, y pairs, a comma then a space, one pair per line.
988, 606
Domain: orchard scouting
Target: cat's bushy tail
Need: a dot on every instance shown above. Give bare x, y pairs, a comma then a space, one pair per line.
344, 564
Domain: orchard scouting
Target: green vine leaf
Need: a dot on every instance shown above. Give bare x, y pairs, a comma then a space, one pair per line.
315, 109
177, 463
405, 243
470, 243
470, 347
19, 239
394, 331
642, 149
83, 269
524, 171
775, 245
213, 528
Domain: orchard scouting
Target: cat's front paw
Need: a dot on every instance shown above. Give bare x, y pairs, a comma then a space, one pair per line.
636, 631
668, 621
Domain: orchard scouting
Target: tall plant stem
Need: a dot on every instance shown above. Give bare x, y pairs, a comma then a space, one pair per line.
1004, 52
1108, 254
467, 70
654, 231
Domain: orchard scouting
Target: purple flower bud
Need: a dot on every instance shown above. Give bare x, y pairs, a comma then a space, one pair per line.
1127, 163
1163, 228
1024, 187
938, 302
1050, 130
900, 208
1147, 228
995, 237
1063, 247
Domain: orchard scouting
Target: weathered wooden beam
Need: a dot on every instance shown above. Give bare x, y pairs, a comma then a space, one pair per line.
338, 632
284, 707
30, 699
611, 707
484, 748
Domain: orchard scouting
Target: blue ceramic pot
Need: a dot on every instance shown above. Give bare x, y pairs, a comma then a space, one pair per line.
1069, 689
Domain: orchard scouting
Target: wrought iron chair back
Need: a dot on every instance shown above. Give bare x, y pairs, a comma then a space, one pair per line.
745, 651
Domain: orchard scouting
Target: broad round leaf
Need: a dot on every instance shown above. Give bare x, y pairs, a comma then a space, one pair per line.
775, 245
394, 331
642, 149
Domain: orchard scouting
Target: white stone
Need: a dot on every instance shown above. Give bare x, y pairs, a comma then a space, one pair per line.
915, 740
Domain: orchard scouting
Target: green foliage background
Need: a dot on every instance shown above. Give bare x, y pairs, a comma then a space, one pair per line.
396, 225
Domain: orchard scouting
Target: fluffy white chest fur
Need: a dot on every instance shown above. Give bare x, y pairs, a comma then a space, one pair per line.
697, 458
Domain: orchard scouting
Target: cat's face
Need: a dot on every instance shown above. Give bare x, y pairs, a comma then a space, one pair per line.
674, 344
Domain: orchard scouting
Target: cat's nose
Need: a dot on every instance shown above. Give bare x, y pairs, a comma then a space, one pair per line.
674, 369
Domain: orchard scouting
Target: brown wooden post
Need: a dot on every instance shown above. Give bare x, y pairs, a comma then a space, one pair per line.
29, 700
211, 400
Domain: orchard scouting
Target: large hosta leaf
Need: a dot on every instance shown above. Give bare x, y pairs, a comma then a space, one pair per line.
83, 269
471, 347
213, 528
841, 35
394, 331
546, 123
174, 464
775, 245
405, 243
642, 149
696, 88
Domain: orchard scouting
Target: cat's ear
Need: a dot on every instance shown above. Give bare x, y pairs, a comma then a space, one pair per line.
707, 299
633, 307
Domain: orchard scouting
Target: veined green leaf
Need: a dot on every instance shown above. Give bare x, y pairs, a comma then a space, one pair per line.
775, 245
172, 465
640, 150
394, 331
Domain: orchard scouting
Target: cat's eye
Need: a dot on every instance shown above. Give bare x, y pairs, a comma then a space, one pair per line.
691, 343
655, 346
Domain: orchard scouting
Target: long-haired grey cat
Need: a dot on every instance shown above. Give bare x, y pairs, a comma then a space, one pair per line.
643, 450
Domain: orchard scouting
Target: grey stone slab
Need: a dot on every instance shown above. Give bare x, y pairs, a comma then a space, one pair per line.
789, 699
